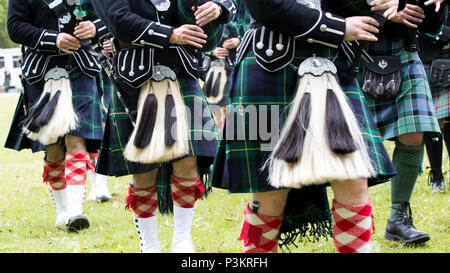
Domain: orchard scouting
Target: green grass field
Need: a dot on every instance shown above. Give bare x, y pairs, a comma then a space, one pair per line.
27, 214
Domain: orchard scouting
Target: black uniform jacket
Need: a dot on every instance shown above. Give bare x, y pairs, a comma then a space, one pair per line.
35, 24
143, 29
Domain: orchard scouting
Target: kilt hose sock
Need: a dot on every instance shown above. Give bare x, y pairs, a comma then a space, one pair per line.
55, 177
77, 164
260, 232
185, 193
144, 203
407, 161
352, 227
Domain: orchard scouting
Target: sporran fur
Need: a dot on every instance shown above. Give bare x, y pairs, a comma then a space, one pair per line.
56, 117
157, 150
324, 155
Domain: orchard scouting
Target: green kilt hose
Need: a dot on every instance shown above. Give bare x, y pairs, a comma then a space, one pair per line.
202, 142
441, 95
412, 110
238, 165
86, 103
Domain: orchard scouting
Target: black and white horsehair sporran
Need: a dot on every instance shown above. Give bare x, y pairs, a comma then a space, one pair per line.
215, 82
162, 131
321, 140
53, 115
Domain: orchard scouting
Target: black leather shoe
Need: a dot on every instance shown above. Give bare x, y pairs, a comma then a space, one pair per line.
402, 229
77, 223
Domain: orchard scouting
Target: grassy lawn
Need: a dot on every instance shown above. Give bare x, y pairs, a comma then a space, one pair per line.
27, 214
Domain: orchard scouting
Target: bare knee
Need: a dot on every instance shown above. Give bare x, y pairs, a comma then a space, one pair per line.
185, 168
411, 139
75, 144
145, 180
54, 153
350, 192
271, 203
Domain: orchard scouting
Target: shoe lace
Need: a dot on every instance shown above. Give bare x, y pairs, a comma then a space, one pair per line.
406, 213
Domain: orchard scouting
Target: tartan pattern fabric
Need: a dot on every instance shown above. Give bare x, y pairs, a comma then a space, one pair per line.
412, 110
185, 192
76, 166
260, 232
86, 104
352, 227
143, 202
54, 174
441, 95
239, 160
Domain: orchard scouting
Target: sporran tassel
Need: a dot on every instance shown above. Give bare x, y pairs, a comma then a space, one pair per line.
146, 122
339, 136
290, 148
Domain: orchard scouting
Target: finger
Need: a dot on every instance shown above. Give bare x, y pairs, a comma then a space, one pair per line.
412, 18
370, 20
196, 34
70, 43
196, 40
194, 44
200, 10
416, 8
390, 13
71, 39
409, 24
370, 28
438, 6
367, 37
194, 28
66, 51
206, 13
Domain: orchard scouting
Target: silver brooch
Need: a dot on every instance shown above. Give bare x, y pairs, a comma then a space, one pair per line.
161, 73
383, 64
56, 74
161, 5
316, 66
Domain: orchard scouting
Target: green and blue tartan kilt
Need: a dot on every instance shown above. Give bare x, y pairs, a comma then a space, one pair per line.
441, 95
413, 109
86, 104
238, 164
118, 128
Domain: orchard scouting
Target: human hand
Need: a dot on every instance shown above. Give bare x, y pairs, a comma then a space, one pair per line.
67, 43
361, 28
207, 13
188, 35
85, 30
410, 16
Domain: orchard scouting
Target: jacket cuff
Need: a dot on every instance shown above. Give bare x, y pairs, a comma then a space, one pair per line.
228, 10
102, 31
155, 35
329, 30
47, 41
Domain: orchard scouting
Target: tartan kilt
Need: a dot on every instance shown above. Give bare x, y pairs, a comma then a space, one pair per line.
412, 110
86, 103
238, 163
118, 129
441, 95
106, 89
